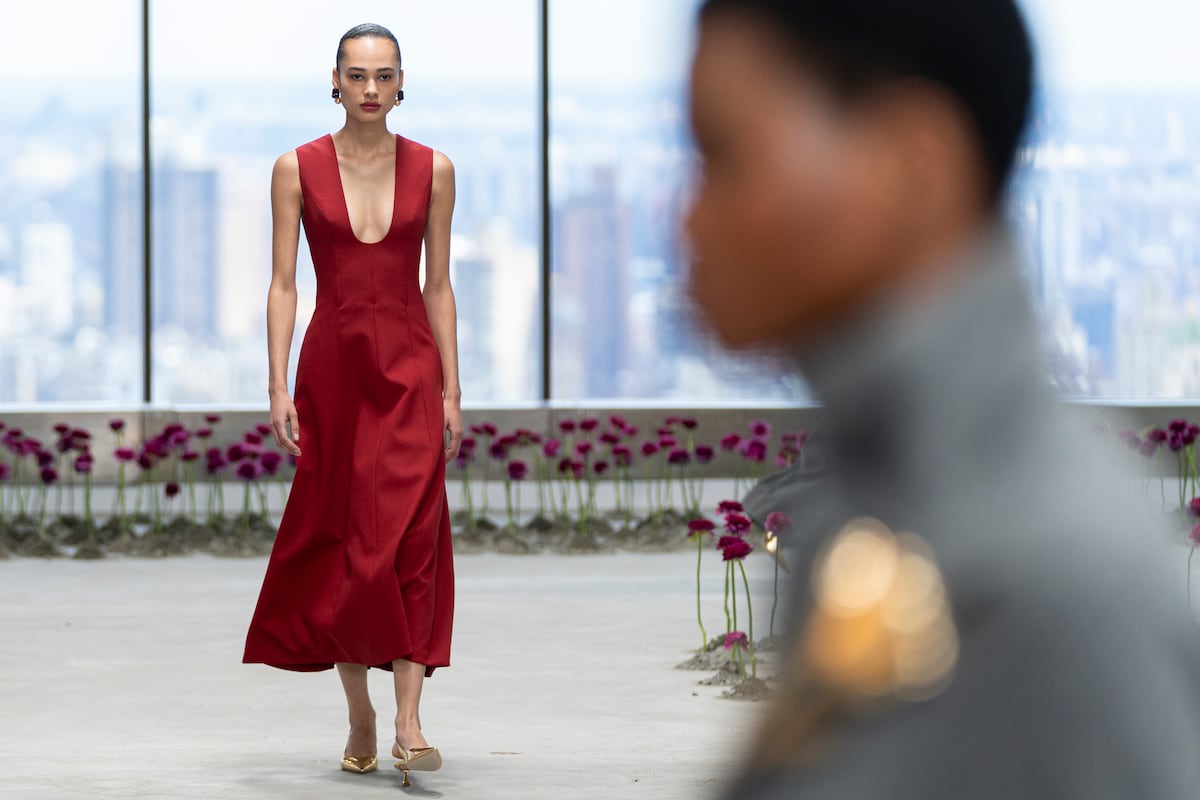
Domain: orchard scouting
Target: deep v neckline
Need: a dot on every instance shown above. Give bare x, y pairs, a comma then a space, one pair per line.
337, 166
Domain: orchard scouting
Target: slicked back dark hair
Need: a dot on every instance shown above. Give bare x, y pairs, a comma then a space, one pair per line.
363, 31
977, 50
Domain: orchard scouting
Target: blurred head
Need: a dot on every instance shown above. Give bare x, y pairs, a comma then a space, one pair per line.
367, 73
845, 146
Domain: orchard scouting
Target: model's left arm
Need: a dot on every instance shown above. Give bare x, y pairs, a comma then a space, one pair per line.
439, 296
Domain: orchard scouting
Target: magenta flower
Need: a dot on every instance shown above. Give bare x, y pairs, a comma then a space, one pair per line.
1148, 448
699, 527
705, 453
249, 470
787, 456
566, 425
729, 507
83, 464
204, 433
189, 456
667, 442
736, 639
270, 462
1194, 507
171, 489
583, 448
649, 448
578, 470
62, 428
665, 431
49, 475
5, 471
672, 421
45, 458
252, 437
609, 438
1175, 442
1189, 436
600, 467
760, 429
468, 445
236, 452
517, 470
617, 421
679, 457
215, 460
145, 460
125, 454
734, 548
737, 524
1177, 425
86, 436
622, 455
689, 422
631, 431
1194, 535
1158, 436
477, 429
566, 466
508, 440
730, 441
779, 523
490, 429
589, 424
263, 429
498, 451
754, 450
552, 448
212, 419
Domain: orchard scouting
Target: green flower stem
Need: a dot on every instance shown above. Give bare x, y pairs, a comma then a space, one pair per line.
775, 598
749, 621
699, 617
1191, 609
470, 501
508, 503
728, 619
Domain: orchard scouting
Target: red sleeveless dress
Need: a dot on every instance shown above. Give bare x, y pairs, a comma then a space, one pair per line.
362, 567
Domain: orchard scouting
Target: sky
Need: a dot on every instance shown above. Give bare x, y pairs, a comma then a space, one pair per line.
1083, 43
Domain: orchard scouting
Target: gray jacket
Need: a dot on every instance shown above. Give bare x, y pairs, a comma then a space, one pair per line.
1079, 671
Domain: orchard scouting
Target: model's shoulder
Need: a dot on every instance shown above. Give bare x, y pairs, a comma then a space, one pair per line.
442, 165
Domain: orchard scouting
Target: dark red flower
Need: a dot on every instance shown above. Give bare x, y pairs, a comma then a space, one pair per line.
124, 454
270, 462
49, 475
489, 429
787, 455
754, 450
252, 437
189, 455
760, 429
551, 448
622, 456
1175, 442
507, 440
45, 458
62, 428
566, 425
204, 433
1177, 425
517, 470
730, 441
263, 429
171, 489
212, 419
583, 448
84, 463
672, 421
667, 442
609, 438
600, 467
699, 527
566, 466
1158, 436
249, 470
705, 453
215, 461
690, 423
579, 470
5, 471
729, 507
145, 460
467, 445
738, 524
649, 448
498, 451
477, 429
617, 421
678, 457
734, 548
236, 451
589, 424
631, 431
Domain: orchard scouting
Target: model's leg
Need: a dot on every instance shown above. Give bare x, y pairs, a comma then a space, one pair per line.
409, 677
362, 740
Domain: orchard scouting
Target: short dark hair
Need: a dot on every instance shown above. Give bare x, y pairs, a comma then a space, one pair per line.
977, 50
363, 31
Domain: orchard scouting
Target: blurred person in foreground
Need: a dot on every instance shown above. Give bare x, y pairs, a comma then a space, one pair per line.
1031, 640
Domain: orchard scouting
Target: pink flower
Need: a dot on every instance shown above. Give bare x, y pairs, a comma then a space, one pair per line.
236, 452
699, 527
649, 448
704, 453
609, 438
589, 424
252, 437
489, 429
1194, 507
760, 429
83, 464
124, 454
734, 548
617, 421
672, 421
477, 429
171, 489
729, 506
730, 441
583, 448
631, 431
736, 639
508, 440
551, 448
517, 470
779, 523
566, 425
1194, 535
204, 433
263, 429
578, 470
737, 524
667, 442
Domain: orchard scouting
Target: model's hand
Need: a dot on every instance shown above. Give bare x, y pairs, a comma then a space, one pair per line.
283, 415
453, 413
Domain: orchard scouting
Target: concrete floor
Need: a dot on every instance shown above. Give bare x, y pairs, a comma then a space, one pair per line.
122, 678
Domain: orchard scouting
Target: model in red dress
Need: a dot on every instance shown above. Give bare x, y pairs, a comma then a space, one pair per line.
361, 573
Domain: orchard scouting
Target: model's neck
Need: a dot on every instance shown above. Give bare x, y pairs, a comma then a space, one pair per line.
358, 137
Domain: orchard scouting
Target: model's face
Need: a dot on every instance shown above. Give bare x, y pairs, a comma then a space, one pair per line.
788, 221
368, 78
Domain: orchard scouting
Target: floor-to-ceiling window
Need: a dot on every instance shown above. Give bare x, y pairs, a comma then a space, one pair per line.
70, 203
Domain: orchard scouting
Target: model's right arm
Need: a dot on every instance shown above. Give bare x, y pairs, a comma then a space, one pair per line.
281, 298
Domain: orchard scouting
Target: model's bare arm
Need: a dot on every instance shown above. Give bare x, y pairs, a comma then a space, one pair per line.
439, 296
281, 298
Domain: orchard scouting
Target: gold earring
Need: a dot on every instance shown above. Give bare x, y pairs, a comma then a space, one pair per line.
337, 96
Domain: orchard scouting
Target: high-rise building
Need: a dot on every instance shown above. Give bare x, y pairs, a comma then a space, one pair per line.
185, 248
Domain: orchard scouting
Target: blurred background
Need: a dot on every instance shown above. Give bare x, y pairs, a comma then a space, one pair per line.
1106, 203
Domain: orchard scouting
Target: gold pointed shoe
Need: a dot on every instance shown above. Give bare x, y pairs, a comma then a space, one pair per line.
419, 759
360, 765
